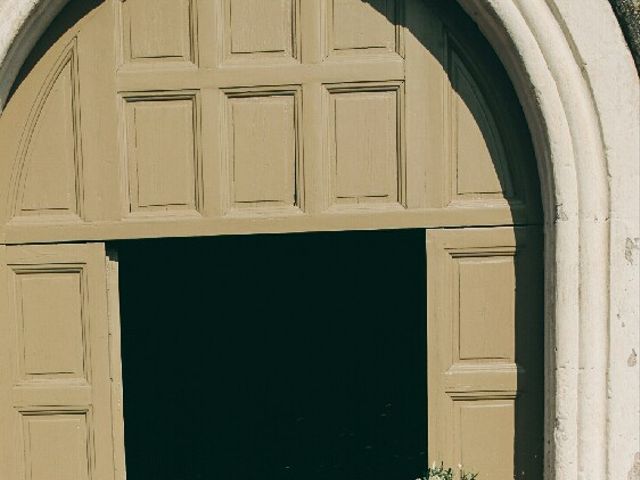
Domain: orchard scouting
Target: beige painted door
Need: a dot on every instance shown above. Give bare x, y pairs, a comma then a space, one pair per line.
248, 116
56, 420
485, 350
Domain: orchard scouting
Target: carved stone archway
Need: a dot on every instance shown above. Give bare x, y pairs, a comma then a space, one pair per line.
576, 80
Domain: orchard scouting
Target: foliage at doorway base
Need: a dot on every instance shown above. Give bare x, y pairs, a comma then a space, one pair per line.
440, 473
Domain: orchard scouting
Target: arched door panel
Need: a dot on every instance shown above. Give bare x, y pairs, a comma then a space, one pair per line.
147, 119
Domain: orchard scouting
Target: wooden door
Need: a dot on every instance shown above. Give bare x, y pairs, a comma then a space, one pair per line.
56, 416
485, 350
152, 118
161, 118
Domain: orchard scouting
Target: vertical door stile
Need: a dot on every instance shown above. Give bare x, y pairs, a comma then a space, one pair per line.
113, 306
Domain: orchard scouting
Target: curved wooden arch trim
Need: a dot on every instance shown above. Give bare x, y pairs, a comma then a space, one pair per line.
68, 57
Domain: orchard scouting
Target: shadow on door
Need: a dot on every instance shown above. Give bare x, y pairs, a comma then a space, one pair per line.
299, 356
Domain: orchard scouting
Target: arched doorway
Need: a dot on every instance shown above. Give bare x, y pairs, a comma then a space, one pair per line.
230, 117
298, 355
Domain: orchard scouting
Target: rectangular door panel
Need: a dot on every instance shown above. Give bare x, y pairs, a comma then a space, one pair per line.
158, 31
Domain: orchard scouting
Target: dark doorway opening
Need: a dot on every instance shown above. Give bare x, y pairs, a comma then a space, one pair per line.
298, 356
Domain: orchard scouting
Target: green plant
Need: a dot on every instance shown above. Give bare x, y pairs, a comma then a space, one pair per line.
440, 473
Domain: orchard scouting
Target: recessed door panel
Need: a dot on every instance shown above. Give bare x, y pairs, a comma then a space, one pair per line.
259, 31
162, 154
263, 152
357, 28
50, 313
57, 446
158, 31
365, 145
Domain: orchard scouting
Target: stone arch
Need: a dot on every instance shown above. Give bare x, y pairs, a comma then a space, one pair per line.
560, 58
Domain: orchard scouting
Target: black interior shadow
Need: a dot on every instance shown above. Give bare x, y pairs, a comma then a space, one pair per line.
297, 356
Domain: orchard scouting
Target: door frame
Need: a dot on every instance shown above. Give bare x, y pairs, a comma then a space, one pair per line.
561, 58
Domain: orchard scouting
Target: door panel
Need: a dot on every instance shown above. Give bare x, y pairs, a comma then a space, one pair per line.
485, 350
307, 115
55, 400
